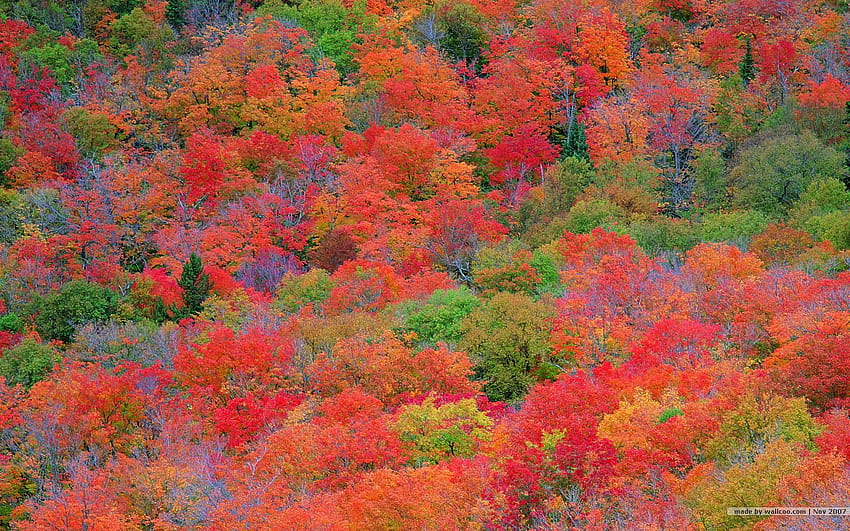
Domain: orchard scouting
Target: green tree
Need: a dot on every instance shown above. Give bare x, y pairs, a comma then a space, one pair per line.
771, 175
657, 234
93, 132
11, 323
9, 153
585, 216
747, 67
563, 182
195, 283
758, 420
463, 34
54, 57
78, 302
133, 29
440, 317
175, 12
434, 433
709, 180
297, 291
332, 27
737, 227
508, 340
27, 363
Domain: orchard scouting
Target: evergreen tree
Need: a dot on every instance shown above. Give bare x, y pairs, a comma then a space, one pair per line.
195, 284
846, 142
174, 13
747, 68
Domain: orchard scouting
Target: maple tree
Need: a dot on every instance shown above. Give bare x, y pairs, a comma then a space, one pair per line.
402, 264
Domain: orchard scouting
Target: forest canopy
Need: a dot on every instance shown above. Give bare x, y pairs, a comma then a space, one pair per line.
399, 264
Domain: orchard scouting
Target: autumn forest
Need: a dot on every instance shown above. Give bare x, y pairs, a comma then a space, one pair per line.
423, 264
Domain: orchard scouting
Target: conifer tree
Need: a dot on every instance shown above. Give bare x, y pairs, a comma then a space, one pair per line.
747, 68
174, 13
195, 284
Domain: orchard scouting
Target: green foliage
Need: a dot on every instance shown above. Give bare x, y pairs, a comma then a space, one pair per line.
735, 119
637, 172
439, 319
175, 12
497, 255
462, 27
55, 58
11, 323
821, 197
135, 28
824, 211
573, 141
51, 15
506, 267
332, 27
669, 413
757, 421
9, 153
76, 303
783, 118
544, 233
297, 291
542, 216
93, 132
709, 180
563, 182
195, 283
833, 226
771, 176
747, 67
5, 110
94, 11
27, 363
435, 433
546, 266
751, 483
738, 226
585, 216
658, 234
508, 340
39, 209
64, 64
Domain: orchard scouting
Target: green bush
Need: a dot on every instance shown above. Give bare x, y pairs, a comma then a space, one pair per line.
771, 176
195, 283
833, 226
39, 208
332, 27
824, 196
297, 291
440, 317
11, 323
93, 132
27, 363
508, 340
737, 227
9, 153
658, 234
585, 216
709, 180
76, 303
669, 413
546, 266
464, 38
55, 58
135, 28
